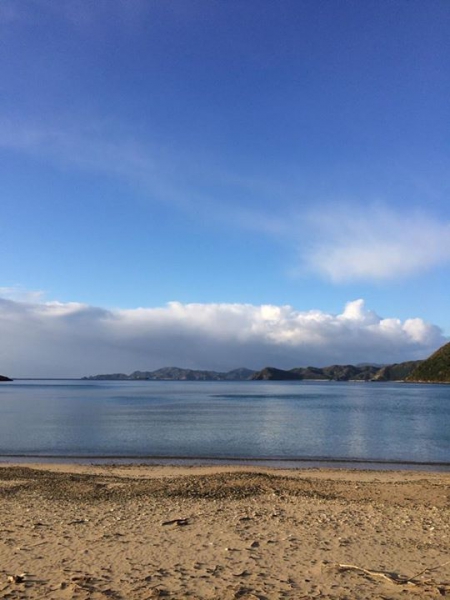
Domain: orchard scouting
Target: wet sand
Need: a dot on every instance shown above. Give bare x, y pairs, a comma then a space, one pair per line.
141, 532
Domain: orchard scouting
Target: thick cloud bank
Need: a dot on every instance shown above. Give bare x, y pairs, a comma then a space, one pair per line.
71, 340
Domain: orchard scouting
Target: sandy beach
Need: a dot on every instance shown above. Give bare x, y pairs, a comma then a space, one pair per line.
138, 532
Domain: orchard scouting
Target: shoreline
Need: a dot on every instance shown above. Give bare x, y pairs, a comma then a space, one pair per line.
274, 463
222, 532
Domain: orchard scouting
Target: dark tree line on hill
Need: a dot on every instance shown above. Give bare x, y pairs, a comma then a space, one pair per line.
435, 369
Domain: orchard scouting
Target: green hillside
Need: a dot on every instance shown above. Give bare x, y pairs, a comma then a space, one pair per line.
395, 372
435, 369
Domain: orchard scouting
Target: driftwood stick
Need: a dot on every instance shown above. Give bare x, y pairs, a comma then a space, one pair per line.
344, 567
429, 569
391, 578
184, 521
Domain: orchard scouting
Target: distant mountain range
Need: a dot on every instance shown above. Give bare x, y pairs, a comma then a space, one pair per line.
395, 372
3, 378
177, 374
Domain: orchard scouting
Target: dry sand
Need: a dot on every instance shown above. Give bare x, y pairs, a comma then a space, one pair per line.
128, 532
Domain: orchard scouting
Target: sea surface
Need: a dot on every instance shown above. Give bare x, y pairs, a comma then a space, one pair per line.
285, 422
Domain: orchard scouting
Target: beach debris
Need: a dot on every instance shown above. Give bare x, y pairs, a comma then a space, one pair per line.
179, 522
78, 521
17, 578
38, 524
429, 570
392, 577
246, 594
157, 592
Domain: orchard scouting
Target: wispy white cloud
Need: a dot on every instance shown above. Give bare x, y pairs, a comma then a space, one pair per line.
337, 241
82, 145
21, 294
86, 145
161, 173
374, 243
72, 339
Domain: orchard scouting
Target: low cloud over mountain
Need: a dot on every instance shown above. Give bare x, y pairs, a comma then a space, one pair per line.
55, 339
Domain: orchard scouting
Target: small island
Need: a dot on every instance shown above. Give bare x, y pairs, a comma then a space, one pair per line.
3, 378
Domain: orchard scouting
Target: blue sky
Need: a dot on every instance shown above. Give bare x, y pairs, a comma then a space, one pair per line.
224, 153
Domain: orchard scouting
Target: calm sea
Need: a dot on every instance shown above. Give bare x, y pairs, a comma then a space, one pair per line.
288, 421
